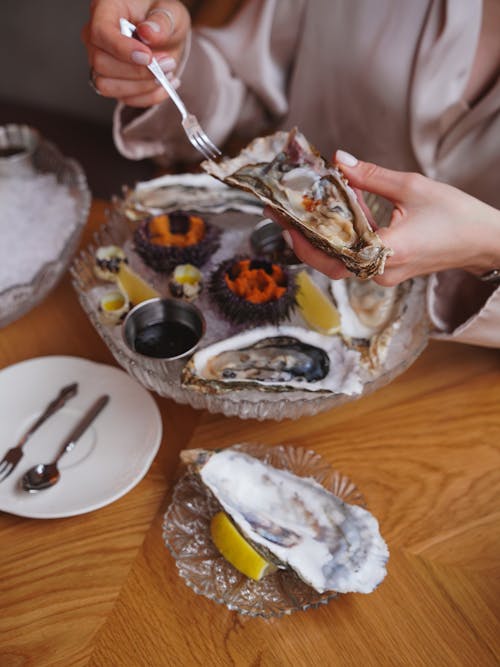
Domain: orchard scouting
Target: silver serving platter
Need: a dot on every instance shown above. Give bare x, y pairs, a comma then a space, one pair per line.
406, 345
44, 157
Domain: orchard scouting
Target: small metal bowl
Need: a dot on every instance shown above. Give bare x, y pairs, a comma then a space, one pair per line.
17, 148
163, 330
267, 241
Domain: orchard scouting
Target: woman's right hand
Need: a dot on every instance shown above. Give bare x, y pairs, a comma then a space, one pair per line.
118, 63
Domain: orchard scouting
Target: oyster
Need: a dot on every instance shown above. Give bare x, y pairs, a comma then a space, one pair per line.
331, 545
272, 358
370, 314
286, 172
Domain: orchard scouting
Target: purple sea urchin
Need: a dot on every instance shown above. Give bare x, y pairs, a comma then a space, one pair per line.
252, 290
166, 240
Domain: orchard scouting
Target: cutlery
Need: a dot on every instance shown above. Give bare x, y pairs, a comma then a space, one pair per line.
45, 475
194, 132
14, 455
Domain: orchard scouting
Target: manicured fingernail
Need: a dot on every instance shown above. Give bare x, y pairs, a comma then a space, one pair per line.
346, 158
287, 238
153, 25
141, 58
167, 64
167, 13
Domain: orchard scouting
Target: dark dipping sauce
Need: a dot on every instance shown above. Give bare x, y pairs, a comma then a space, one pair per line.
164, 340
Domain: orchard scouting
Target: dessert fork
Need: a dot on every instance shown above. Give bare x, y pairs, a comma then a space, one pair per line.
194, 132
14, 454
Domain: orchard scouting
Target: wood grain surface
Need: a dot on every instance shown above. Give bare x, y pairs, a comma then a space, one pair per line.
101, 589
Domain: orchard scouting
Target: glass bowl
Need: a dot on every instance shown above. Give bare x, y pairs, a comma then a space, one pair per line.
406, 344
186, 533
42, 157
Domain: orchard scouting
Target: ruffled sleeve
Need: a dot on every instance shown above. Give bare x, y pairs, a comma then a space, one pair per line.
464, 309
232, 75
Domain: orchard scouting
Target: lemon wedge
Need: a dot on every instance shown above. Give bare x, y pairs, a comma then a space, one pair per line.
316, 308
134, 286
236, 550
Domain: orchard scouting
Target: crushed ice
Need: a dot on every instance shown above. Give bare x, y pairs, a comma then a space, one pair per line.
37, 218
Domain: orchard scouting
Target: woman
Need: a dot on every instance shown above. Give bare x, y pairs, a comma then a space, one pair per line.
409, 85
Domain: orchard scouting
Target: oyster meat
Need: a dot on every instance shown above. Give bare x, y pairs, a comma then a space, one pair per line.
286, 172
276, 359
329, 544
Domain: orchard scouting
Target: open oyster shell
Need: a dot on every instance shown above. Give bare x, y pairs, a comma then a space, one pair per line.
331, 545
370, 314
286, 172
270, 358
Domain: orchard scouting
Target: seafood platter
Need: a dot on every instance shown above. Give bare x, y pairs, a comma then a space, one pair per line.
280, 339
304, 535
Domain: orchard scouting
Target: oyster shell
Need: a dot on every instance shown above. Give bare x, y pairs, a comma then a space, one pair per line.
370, 314
331, 545
286, 172
272, 358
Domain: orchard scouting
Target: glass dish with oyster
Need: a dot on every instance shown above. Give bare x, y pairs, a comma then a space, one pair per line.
281, 340
277, 530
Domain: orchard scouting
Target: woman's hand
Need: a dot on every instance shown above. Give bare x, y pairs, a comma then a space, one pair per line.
119, 63
434, 226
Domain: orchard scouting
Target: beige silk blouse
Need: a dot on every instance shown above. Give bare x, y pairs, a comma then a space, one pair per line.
382, 79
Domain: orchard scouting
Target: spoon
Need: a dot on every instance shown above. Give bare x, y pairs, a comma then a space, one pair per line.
45, 475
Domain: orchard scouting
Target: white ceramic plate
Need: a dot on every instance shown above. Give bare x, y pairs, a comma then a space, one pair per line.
110, 458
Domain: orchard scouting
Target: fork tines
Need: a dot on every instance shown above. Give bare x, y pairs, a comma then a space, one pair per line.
199, 139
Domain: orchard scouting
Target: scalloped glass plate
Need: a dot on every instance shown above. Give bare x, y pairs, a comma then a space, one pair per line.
18, 299
406, 344
186, 532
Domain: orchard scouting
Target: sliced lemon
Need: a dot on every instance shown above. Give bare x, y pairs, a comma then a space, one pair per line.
315, 306
134, 286
236, 550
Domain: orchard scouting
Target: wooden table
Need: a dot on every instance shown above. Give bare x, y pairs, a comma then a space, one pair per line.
101, 590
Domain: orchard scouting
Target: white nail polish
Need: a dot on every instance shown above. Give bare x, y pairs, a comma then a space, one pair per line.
167, 13
346, 158
287, 238
140, 58
167, 64
153, 25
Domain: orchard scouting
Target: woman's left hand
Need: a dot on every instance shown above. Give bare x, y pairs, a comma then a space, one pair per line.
434, 226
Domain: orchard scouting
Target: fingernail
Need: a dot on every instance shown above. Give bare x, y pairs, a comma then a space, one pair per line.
153, 25
167, 64
141, 58
346, 158
287, 238
167, 13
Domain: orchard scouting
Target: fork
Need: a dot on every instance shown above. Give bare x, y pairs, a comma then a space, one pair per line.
14, 454
194, 132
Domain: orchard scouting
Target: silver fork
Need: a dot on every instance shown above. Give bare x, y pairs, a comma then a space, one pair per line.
14, 454
194, 132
